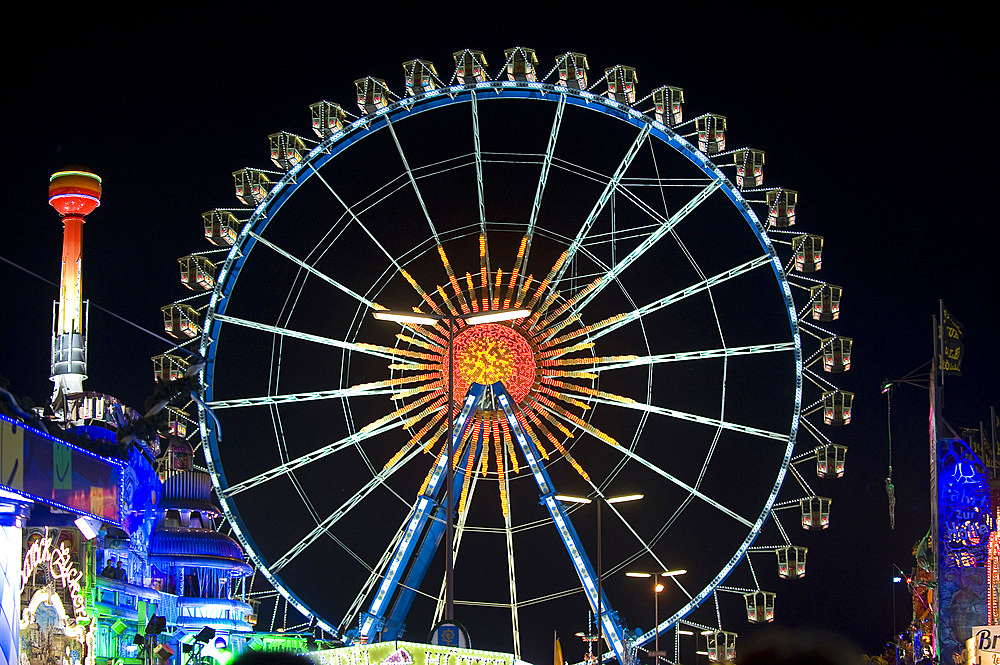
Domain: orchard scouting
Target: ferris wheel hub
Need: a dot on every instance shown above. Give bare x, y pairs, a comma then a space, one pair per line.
492, 352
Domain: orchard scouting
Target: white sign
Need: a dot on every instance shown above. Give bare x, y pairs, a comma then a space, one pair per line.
985, 645
61, 569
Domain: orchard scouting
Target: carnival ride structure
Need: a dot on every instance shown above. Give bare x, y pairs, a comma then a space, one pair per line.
674, 346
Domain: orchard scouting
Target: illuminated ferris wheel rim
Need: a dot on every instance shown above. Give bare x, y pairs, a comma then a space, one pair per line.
398, 111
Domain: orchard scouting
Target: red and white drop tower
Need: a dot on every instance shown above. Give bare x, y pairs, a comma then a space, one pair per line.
74, 194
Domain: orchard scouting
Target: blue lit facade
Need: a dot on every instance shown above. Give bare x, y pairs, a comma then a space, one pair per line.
67, 599
189, 560
964, 526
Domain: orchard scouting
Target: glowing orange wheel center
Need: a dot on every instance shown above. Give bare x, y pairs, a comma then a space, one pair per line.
492, 352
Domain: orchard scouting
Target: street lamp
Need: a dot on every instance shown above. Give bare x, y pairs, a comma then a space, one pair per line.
600, 500
588, 639
657, 590
419, 318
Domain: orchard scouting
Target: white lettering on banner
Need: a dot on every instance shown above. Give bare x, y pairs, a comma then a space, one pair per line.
61, 569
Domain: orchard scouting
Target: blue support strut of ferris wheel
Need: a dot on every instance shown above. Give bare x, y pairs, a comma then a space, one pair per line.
571, 541
374, 620
393, 629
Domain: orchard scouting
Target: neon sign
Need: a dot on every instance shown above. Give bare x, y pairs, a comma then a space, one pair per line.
964, 505
61, 569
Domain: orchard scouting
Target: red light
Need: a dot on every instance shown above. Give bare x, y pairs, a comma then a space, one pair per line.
492, 352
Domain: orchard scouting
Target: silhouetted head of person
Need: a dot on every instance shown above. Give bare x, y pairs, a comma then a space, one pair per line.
779, 646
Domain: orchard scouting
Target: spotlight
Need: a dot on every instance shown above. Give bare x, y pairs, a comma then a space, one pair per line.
162, 651
205, 636
156, 625
88, 527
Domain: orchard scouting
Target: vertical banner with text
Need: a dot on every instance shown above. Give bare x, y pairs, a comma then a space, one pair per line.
952, 348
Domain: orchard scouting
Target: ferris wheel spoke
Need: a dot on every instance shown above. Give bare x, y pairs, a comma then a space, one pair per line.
343, 510
606, 326
291, 398
480, 195
356, 219
318, 339
647, 547
279, 435
680, 483
376, 573
544, 175
666, 226
602, 201
546, 164
677, 481
638, 361
313, 271
681, 415
479, 162
511, 574
413, 181
303, 460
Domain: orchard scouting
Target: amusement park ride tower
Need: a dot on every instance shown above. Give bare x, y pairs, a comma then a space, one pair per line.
74, 194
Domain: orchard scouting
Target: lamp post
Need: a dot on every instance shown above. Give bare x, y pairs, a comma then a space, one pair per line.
657, 590
419, 318
600, 500
588, 639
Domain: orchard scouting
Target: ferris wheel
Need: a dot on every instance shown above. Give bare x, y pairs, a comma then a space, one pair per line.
670, 346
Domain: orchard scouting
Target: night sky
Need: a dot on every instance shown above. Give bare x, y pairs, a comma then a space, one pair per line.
879, 122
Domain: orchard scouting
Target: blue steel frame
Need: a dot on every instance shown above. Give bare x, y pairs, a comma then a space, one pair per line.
395, 112
426, 531
422, 530
613, 629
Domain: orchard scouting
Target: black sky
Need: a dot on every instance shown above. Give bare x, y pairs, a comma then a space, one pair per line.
880, 122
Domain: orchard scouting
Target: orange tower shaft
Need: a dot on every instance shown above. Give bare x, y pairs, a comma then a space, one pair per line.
70, 281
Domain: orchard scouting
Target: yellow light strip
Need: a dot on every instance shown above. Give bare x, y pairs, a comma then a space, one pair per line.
496, 289
569, 303
451, 277
444, 299
441, 431
524, 291
545, 282
472, 292
583, 331
587, 427
421, 292
421, 343
566, 398
517, 270
509, 440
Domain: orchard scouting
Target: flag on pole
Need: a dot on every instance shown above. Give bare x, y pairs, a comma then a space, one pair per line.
952, 346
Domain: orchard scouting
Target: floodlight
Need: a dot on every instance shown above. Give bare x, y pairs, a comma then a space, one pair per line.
206, 635
405, 317
627, 497
89, 527
499, 315
571, 499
